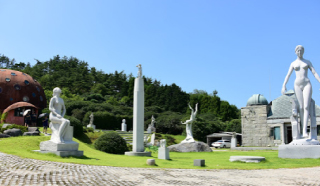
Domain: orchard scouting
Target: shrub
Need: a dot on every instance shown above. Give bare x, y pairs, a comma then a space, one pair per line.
111, 142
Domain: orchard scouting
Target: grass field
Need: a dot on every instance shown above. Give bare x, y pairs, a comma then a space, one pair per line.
23, 146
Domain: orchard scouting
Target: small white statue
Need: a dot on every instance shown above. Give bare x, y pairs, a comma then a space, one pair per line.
188, 124
58, 110
151, 127
91, 119
124, 125
302, 86
139, 71
163, 143
153, 136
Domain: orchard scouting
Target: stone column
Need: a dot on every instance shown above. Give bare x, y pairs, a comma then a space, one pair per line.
138, 115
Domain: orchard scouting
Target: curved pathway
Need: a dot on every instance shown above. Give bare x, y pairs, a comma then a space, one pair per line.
20, 171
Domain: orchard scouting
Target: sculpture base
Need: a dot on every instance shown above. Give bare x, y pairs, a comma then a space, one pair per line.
52, 146
190, 147
163, 153
92, 126
299, 151
137, 153
188, 140
63, 153
304, 142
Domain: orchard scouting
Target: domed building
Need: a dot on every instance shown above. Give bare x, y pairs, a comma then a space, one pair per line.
268, 124
18, 92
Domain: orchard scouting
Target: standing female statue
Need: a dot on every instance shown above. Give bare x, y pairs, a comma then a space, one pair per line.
188, 124
302, 85
56, 105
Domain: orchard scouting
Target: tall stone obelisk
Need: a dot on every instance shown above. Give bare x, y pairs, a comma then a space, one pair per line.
138, 117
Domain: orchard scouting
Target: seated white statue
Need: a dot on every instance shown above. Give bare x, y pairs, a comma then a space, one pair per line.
56, 105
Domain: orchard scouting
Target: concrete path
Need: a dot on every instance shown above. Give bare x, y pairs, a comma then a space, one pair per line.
19, 171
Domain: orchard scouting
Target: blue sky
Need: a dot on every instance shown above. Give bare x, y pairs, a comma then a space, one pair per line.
238, 48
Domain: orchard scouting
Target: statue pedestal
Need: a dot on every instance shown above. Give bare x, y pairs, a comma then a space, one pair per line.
92, 126
68, 148
163, 153
299, 151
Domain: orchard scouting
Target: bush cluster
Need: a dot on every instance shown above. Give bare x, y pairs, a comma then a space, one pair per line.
111, 142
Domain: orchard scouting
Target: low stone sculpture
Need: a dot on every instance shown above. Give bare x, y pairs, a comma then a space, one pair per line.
188, 123
197, 146
13, 132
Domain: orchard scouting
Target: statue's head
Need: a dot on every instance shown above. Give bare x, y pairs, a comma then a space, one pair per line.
299, 50
56, 91
139, 66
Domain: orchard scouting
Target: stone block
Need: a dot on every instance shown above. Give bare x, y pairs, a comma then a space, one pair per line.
247, 159
33, 129
163, 153
13, 132
52, 146
4, 136
5, 125
199, 162
151, 161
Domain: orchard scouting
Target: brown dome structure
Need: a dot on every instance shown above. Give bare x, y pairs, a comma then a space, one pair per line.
16, 86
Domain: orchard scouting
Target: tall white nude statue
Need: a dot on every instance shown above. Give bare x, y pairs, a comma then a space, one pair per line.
302, 86
188, 124
58, 110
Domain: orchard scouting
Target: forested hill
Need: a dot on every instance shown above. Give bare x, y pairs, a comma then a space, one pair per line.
88, 86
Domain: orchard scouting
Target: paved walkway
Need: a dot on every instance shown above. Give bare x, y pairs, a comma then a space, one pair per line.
19, 171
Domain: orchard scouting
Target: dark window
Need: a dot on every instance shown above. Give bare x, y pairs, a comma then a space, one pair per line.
24, 74
41, 99
17, 86
33, 94
276, 133
26, 82
18, 112
7, 79
38, 89
0, 89
13, 74
11, 99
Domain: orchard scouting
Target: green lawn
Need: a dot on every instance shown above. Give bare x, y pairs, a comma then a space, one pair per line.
23, 146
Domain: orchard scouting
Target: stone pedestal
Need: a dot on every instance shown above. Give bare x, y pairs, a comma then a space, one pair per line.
92, 126
233, 142
124, 127
299, 151
68, 148
163, 153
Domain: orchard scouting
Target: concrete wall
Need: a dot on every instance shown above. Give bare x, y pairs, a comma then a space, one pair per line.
255, 130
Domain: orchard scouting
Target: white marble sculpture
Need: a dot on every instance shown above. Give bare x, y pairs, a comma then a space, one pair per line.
91, 118
58, 110
91, 121
188, 123
163, 143
302, 87
61, 142
151, 127
153, 137
139, 71
124, 125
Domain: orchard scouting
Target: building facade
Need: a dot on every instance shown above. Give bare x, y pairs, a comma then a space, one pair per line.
268, 124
